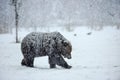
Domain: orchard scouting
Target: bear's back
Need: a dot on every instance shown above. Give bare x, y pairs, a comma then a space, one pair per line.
39, 42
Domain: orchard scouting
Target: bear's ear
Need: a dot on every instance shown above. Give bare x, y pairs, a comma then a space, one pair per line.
65, 43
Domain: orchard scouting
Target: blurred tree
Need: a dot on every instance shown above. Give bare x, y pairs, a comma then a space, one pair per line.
17, 5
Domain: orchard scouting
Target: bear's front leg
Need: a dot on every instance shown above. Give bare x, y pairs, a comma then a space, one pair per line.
52, 62
61, 62
58, 59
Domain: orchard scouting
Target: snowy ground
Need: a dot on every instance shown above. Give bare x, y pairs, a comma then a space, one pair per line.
94, 57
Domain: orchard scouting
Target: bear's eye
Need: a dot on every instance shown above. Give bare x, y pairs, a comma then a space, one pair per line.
64, 43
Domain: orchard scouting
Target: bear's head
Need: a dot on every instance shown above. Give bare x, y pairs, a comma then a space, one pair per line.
66, 49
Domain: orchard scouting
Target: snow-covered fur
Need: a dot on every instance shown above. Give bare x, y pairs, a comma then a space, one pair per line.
53, 45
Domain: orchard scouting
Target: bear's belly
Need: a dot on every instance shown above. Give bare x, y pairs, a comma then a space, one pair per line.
40, 52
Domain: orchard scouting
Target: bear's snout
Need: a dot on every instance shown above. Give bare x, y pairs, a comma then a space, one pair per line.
69, 57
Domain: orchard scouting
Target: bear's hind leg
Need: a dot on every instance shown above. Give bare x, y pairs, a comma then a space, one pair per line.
28, 62
23, 62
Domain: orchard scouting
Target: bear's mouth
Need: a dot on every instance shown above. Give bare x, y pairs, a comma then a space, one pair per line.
67, 56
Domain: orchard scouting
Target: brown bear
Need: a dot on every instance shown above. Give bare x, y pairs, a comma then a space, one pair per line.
54, 45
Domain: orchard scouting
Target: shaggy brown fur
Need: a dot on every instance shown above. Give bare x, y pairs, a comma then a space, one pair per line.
53, 45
